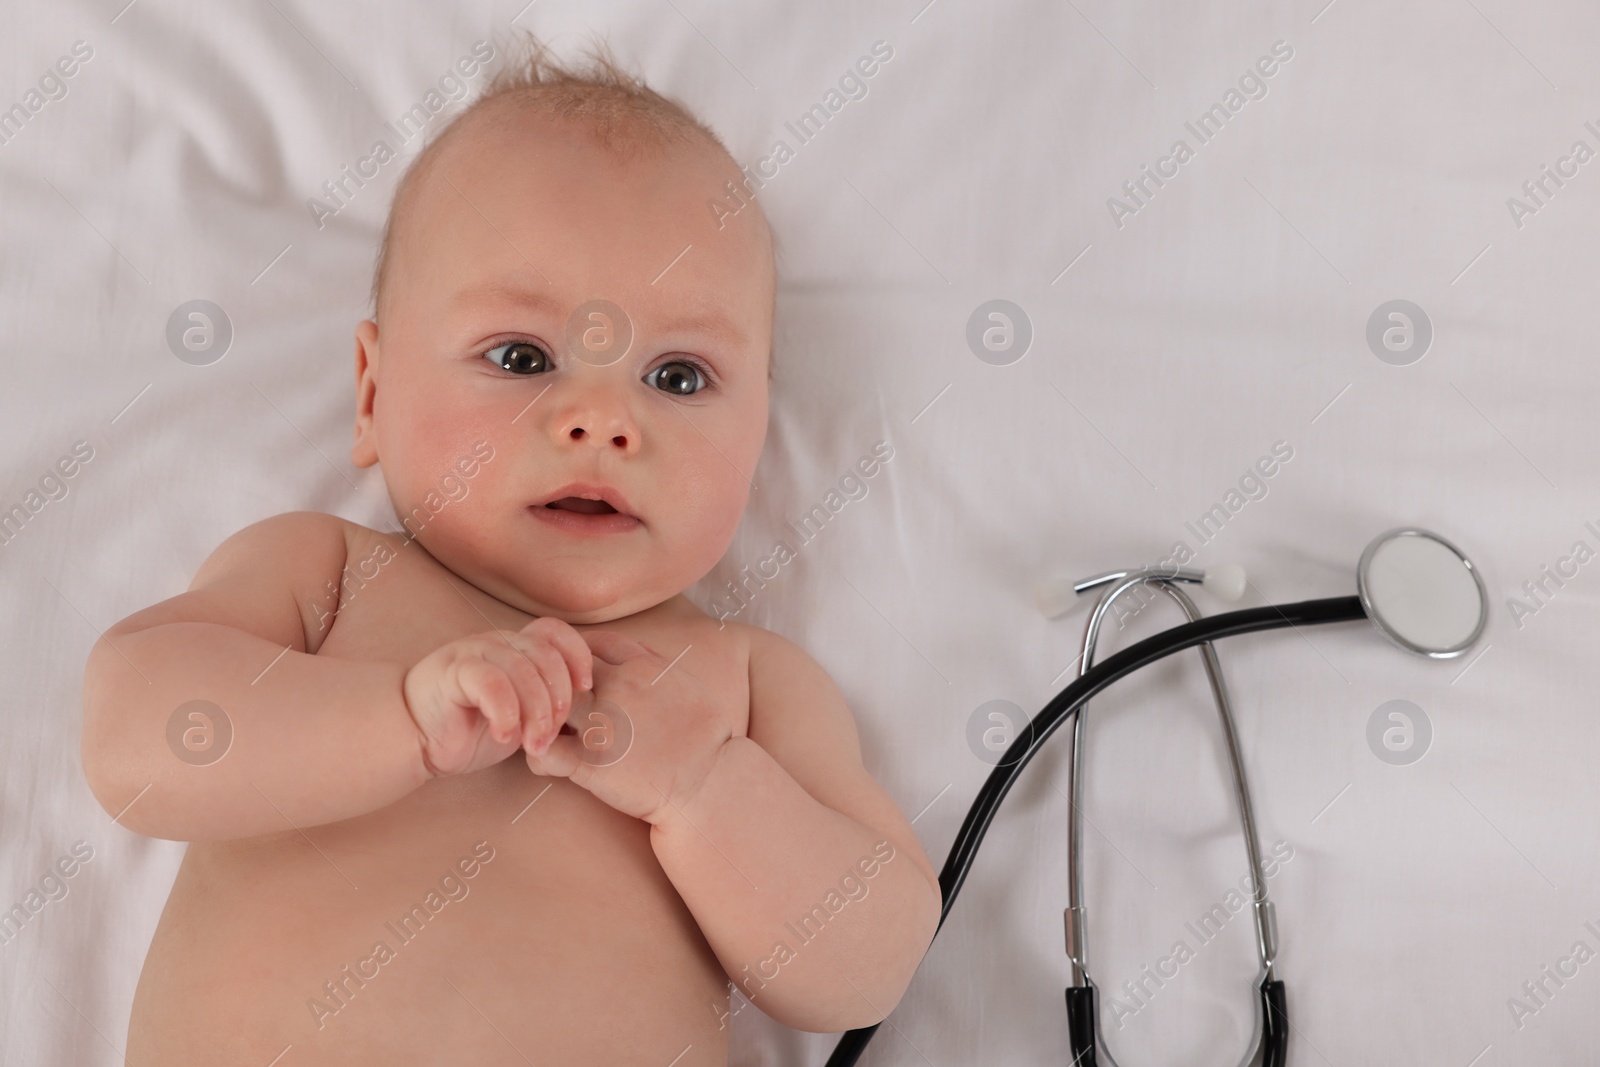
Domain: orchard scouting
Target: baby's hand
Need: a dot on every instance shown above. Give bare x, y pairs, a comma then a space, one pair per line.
477, 699
646, 738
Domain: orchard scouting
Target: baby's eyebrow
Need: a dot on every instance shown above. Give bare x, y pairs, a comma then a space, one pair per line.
498, 292
705, 320
711, 323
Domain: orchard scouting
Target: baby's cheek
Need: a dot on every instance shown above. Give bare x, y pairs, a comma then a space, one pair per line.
439, 414
714, 519
406, 431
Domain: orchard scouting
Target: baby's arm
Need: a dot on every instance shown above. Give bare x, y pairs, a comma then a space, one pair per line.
315, 739
781, 857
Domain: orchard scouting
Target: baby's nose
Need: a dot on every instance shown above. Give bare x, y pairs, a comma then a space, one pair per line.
604, 423
589, 430
595, 408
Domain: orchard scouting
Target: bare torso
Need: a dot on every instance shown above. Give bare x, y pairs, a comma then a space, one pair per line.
567, 944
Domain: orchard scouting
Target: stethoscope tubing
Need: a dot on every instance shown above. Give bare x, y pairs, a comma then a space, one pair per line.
1031, 738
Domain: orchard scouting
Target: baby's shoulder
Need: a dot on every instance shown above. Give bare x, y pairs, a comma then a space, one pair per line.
760, 642
284, 544
777, 666
260, 577
798, 714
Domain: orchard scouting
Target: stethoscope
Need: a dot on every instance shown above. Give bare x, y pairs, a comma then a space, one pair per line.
1420, 591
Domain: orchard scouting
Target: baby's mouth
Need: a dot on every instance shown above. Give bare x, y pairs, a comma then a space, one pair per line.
582, 517
587, 507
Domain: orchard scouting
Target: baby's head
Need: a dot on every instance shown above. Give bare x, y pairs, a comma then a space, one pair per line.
554, 191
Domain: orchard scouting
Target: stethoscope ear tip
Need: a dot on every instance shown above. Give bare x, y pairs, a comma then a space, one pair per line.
1225, 581
1055, 597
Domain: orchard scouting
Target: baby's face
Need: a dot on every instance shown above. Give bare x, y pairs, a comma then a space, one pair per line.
511, 231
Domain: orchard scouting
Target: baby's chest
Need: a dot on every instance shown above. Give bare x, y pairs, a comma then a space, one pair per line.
400, 606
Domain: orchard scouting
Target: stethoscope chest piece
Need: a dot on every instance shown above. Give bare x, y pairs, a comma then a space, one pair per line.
1422, 592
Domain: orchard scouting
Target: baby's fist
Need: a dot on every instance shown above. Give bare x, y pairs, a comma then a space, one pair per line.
478, 699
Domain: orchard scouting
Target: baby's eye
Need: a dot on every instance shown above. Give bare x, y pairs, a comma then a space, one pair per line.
519, 357
679, 378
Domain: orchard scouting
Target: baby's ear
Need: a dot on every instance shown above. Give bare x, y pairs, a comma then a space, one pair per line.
364, 453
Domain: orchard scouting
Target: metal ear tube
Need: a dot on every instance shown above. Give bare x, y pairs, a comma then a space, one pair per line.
1269, 1043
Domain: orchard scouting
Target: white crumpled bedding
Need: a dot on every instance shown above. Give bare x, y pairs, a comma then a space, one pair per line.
1194, 311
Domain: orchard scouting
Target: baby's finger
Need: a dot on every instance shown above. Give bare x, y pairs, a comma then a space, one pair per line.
613, 647
532, 692
552, 667
569, 643
561, 759
485, 686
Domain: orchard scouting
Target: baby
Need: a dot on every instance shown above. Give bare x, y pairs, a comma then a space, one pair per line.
565, 381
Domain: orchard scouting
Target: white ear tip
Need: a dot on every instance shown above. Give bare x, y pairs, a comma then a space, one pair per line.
1225, 581
1055, 597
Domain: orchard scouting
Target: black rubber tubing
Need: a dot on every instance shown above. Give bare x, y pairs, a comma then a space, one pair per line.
1032, 737
1083, 1024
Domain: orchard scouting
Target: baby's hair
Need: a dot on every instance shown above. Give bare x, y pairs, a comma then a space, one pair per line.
623, 114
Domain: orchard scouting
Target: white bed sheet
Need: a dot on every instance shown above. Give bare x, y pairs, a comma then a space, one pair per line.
1170, 352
